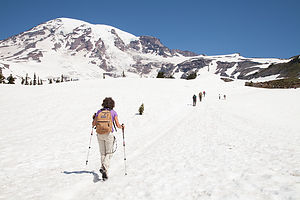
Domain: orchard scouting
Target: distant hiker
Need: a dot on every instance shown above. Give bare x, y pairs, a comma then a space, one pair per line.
203, 93
194, 100
104, 120
200, 96
219, 96
224, 97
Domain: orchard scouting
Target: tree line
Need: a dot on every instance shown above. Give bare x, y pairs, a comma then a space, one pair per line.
36, 80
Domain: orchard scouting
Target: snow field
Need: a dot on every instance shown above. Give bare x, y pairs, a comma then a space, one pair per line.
244, 147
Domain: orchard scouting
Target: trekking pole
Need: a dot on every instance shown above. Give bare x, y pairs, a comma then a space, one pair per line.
124, 149
87, 157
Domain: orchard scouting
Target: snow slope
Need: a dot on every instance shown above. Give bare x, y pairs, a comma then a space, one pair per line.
244, 147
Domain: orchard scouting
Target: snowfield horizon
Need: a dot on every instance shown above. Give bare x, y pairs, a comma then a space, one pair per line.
245, 147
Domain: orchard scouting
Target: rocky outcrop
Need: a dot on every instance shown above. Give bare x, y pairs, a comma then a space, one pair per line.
153, 45
192, 66
290, 69
118, 41
99, 50
246, 67
134, 45
223, 67
80, 43
56, 46
144, 68
243, 68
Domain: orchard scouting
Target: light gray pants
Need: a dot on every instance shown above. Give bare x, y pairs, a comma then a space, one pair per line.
106, 142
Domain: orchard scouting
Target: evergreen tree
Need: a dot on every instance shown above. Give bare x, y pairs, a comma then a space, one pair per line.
50, 80
11, 79
23, 81
103, 76
26, 79
2, 78
62, 78
123, 74
141, 109
34, 79
191, 76
160, 75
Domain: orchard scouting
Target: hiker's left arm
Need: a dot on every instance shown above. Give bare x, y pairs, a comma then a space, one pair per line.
117, 123
94, 120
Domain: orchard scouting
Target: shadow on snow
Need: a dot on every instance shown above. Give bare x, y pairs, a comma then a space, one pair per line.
96, 176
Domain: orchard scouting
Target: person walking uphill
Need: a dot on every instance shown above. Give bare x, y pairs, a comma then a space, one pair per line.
104, 120
200, 96
194, 100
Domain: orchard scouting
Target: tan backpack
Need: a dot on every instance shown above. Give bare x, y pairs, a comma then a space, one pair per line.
104, 122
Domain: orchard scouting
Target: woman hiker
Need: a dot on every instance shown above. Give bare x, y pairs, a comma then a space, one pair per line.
104, 120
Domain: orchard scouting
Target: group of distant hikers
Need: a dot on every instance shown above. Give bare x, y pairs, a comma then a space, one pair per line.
224, 96
201, 94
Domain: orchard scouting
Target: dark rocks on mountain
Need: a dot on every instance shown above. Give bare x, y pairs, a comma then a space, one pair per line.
99, 50
31, 45
290, 69
35, 55
85, 45
145, 68
56, 46
82, 30
226, 79
118, 41
153, 45
18, 53
244, 68
4, 66
168, 69
222, 67
193, 64
34, 33
103, 65
81, 43
134, 45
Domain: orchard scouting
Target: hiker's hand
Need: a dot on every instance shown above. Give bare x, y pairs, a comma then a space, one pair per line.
94, 115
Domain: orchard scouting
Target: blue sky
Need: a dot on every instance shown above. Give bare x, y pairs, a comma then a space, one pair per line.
253, 28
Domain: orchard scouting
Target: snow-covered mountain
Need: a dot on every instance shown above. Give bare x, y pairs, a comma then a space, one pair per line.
81, 50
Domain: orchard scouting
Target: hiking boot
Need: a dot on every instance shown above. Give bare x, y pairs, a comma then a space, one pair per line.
103, 172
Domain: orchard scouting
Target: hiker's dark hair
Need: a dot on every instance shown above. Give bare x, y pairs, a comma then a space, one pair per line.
108, 102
